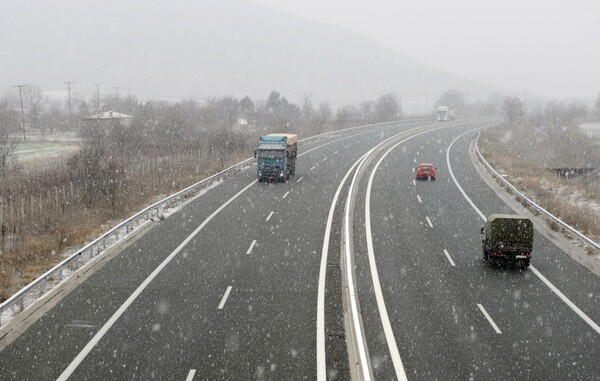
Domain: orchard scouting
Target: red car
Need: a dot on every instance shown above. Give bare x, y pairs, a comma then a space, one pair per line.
426, 171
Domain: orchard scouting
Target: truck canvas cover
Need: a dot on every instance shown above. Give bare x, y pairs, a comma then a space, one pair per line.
510, 228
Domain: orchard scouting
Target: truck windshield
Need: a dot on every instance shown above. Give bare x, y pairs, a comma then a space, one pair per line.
270, 154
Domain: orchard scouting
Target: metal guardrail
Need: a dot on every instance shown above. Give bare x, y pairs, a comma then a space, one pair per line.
99, 244
557, 220
72, 263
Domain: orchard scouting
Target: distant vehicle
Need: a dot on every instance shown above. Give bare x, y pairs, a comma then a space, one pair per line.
445, 114
276, 156
508, 239
426, 171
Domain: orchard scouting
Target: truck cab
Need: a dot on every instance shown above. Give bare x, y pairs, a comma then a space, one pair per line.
276, 157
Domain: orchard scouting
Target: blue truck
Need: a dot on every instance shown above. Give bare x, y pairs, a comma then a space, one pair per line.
276, 157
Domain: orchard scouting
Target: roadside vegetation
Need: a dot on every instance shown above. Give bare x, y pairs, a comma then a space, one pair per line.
545, 154
121, 168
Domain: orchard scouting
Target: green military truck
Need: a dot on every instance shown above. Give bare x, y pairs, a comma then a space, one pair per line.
508, 239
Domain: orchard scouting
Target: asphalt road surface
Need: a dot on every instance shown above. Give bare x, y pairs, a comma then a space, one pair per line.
229, 286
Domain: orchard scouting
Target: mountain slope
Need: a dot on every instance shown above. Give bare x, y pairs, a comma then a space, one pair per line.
201, 49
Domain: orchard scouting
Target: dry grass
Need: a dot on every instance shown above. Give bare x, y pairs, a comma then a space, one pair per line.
524, 154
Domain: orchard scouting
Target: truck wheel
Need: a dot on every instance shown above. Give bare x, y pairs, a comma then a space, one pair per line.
433, 178
486, 256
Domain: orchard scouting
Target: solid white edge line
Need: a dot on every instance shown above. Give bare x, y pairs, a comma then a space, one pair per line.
98, 336
321, 353
94, 341
385, 320
224, 299
419, 198
191, 375
251, 247
285, 195
429, 222
569, 303
540, 276
449, 258
489, 318
270, 215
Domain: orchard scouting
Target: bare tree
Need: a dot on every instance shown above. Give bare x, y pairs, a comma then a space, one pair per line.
387, 108
34, 101
513, 110
8, 122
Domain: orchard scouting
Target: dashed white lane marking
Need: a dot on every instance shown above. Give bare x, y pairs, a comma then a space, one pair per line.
100, 334
313, 167
414, 182
413, 170
270, 215
285, 195
449, 258
251, 247
422, 147
545, 280
300, 179
415, 160
489, 318
429, 222
191, 375
325, 159
336, 152
224, 299
348, 146
418, 152
419, 198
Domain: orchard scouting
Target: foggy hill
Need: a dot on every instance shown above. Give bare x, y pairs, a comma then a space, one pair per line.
197, 49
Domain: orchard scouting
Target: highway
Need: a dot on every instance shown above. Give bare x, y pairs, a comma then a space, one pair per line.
229, 287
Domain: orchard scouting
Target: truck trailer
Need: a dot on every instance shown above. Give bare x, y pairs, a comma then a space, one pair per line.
276, 157
508, 239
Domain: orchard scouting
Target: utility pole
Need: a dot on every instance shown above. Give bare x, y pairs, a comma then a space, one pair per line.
68, 83
22, 112
97, 94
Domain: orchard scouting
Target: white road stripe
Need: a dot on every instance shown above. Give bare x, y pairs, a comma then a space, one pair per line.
419, 198
552, 287
422, 147
336, 152
313, 167
414, 182
385, 320
429, 222
191, 375
113, 319
324, 159
224, 299
300, 179
285, 195
270, 215
251, 247
321, 363
489, 318
413, 170
98, 336
415, 160
348, 146
418, 153
449, 258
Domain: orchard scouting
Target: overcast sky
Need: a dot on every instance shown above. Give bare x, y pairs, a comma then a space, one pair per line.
551, 48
